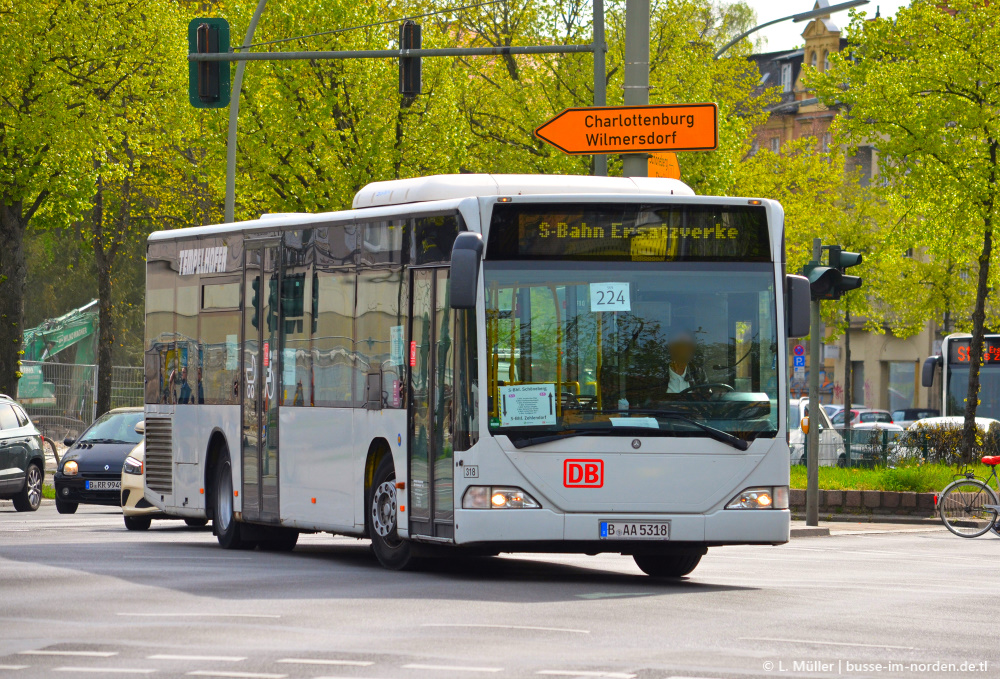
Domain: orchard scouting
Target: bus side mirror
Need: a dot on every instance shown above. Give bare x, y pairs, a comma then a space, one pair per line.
466, 256
796, 305
927, 374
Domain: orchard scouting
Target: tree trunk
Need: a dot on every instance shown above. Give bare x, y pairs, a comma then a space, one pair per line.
105, 327
13, 279
979, 318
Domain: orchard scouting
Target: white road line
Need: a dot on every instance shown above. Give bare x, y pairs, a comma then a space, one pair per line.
209, 658
827, 643
530, 628
451, 668
320, 661
14, 667
586, 673
198, 615
78, 654
106, 670
235, 675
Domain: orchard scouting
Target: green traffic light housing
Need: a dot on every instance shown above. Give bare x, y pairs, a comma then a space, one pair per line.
824, 282
830, 282
208, 81
409, 67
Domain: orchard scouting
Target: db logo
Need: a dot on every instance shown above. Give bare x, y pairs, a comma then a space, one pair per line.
583, 473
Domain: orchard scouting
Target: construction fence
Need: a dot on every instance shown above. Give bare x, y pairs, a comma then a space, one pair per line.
60, 398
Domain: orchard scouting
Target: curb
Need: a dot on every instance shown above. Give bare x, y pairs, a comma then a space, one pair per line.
810, 532
874, 518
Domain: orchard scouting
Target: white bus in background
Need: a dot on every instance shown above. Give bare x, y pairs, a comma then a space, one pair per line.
479, 363
954, 362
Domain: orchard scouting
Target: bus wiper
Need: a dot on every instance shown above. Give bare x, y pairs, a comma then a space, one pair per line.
548, 438
717, 434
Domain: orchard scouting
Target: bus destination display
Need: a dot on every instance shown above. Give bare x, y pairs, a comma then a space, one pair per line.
959, 350
629, 233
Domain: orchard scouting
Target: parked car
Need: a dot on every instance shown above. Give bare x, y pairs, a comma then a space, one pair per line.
873, 442
90, 470
833, 408
831, 445
864, 416
22, 460
907, 416
136, 509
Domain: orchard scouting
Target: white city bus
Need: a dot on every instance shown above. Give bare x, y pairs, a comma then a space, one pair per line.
954, 362
479, 363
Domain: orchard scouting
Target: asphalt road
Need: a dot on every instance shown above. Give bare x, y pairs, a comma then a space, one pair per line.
81, 596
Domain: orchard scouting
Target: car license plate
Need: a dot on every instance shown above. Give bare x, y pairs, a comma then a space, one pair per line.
635, 530
104, 485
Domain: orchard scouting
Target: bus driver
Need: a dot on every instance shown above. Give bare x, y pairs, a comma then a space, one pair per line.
681, 373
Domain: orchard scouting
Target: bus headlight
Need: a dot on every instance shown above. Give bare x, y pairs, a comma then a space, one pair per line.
132, 466
71, 468
761, 498
486, 497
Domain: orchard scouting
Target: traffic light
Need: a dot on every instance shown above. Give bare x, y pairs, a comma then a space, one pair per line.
409, 67
255, 300
830, 282
272, 304
208, 81
842, 260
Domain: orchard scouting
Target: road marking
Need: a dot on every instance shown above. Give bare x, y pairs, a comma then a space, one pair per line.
827, 643
611, 595
105, 670
79, 654
319, 661
530, 628
586, 673
235, 675
451, 668
198, 615
14, 667
221, 658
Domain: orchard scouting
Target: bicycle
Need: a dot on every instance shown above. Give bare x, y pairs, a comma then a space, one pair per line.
968, 506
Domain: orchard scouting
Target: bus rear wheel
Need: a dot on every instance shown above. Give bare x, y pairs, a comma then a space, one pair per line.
227, 529
391, 551
667, 565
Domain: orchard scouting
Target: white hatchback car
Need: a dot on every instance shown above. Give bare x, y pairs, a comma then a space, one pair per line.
136, 509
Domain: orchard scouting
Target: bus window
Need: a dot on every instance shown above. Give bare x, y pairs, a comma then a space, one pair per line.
434, 238
218, 335
159, 322
380, 331
333, 339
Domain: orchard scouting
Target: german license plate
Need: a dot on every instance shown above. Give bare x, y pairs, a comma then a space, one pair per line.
635, 530
103, 485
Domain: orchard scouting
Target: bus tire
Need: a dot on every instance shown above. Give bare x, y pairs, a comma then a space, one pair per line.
667, 565
391, 551
227, 529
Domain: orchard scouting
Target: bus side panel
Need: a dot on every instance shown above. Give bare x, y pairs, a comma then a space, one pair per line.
369, 425
192, 430
315, 468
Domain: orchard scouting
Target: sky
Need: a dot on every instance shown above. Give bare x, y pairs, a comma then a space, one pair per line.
787, 35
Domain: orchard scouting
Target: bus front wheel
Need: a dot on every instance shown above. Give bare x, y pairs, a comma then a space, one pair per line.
667, 565
390, 550
227, 529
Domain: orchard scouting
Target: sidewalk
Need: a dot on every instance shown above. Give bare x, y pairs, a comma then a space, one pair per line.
860, 527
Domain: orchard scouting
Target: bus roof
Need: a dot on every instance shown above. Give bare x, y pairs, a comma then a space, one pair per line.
450, 186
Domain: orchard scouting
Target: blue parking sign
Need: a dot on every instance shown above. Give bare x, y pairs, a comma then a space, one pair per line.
799, 361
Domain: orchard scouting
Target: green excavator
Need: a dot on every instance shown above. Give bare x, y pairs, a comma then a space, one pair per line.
71, 338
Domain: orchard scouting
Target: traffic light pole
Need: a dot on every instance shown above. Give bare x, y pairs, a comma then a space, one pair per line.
812, 443
636, 74
234, 117
600, 77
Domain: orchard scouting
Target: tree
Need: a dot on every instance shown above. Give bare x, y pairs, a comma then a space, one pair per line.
926, 89
43, 149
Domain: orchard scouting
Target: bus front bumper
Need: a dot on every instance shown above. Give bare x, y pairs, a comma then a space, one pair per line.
544, 530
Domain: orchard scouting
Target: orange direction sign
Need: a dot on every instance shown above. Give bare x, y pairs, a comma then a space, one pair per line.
664, 165
633, 129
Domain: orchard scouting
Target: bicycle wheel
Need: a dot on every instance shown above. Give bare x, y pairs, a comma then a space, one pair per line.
962, 508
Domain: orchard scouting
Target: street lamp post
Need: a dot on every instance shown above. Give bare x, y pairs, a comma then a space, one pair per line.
795, 18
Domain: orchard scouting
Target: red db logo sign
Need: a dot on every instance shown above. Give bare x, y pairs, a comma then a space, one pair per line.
583, 473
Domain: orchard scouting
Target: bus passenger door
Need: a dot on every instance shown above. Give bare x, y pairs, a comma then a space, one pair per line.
431, 403
259, 394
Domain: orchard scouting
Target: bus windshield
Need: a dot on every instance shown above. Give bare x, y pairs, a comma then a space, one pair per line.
618, 347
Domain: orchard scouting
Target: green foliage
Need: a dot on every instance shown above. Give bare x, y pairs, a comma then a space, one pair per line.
924, 478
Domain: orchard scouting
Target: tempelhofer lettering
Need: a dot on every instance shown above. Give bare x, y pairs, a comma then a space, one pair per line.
202, 260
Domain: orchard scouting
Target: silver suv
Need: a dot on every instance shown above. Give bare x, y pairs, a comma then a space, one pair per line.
22, 460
